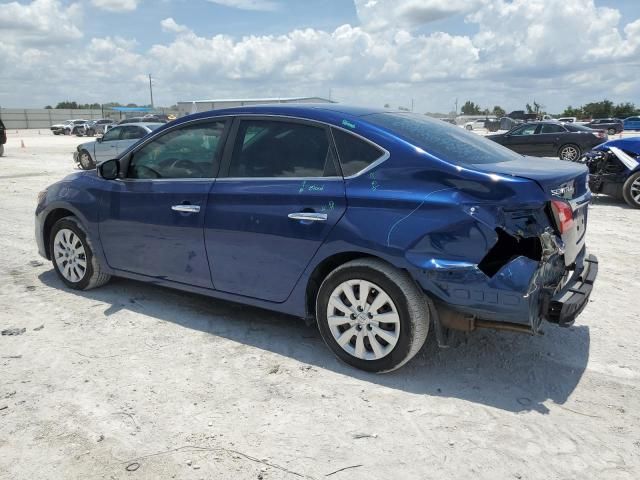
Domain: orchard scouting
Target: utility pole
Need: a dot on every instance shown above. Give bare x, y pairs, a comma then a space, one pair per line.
412, 104
456, 105
151, 90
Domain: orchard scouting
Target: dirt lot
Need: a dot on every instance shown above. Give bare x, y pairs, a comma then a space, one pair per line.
133, 381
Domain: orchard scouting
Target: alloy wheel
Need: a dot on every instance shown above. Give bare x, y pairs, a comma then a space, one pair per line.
635, 190
85, 160
70, 255
363, 319
569, 153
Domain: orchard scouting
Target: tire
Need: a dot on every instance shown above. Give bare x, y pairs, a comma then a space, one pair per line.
1, 150
407, 306
85, 160
631, 190
611, 131
469, 127
569, 152
68, 233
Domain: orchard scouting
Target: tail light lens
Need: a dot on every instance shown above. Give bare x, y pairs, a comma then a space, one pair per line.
564, 215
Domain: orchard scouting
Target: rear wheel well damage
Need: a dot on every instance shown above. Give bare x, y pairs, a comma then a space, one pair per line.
50, 221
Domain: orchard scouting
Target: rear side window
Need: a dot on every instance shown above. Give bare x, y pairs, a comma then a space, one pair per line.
355, 154
132, 133
577, 128
551, 128
275, 149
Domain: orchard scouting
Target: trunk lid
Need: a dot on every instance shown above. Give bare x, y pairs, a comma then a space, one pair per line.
560, 180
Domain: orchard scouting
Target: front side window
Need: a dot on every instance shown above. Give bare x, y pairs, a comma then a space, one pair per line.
355, 154
524, 130
276, 149
113, 134
132, 133
188, 152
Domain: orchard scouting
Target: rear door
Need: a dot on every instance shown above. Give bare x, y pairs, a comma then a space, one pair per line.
277, 198
548, 139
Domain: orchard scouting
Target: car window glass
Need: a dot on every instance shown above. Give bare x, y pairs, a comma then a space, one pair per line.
132, 133
551, 128
188, 152
524, 130
355, 154
265, 148
113, 134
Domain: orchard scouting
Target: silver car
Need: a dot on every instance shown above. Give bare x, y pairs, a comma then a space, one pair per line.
112, 144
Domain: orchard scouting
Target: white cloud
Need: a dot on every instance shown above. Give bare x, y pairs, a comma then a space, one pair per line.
557, 52
41, 21
381, 14
117, 6
248, 4
170, 25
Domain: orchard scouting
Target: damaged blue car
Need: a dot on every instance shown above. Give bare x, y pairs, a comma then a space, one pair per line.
614, 169
380, 226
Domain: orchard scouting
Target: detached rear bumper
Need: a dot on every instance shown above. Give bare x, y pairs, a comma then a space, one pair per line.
567, 304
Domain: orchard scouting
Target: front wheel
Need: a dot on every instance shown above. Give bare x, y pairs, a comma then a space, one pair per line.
72, 256
372, 315
569, 152
631, 190
469, 127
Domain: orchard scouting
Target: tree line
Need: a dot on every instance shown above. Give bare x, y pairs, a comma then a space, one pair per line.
67, 104
602, 109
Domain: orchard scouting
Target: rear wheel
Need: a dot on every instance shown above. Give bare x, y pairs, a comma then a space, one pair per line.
372, 315
72, 256
631, 190
1, 150
469, 127
611, 131
569, 152
85, 160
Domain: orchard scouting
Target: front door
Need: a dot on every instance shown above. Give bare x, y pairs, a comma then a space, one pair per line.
151, 222
520, 139
277, 198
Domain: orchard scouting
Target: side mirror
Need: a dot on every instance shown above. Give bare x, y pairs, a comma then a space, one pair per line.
109, 169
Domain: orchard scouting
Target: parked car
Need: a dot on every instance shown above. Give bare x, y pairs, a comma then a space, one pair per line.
145, 119
614, 169
111, 144
550, 139
611, 125
631, 123
3, 137
69, 127
379, 225
479, 124
94, 127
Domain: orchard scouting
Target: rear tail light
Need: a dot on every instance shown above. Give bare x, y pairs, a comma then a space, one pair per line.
563, 214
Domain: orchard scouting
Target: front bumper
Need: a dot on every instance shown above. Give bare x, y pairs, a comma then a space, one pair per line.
566, 305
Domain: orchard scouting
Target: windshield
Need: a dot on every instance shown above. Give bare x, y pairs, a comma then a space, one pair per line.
445, 141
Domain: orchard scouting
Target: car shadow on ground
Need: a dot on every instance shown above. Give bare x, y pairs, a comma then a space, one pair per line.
509, 371
607, 200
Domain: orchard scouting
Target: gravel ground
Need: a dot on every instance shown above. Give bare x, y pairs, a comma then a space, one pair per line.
137, 381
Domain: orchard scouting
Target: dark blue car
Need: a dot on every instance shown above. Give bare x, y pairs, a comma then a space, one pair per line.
614, 169
380, 226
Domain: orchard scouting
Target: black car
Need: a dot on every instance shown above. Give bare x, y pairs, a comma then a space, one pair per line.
611, 125
3, 137
550, 139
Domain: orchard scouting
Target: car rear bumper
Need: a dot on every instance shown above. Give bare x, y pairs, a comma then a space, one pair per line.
566, 305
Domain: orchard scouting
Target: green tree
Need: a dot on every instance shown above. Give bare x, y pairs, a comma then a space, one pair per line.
572, 112
498, 111
601, 109
624, 110
48, 107
470, 108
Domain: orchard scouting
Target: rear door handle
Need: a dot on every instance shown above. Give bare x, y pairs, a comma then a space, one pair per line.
308, 216
186, 208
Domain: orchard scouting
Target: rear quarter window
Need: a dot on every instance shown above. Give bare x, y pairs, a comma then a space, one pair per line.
445, 141
355, 154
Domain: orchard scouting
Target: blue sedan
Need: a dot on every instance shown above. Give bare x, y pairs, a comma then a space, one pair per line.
631, 123
380, 226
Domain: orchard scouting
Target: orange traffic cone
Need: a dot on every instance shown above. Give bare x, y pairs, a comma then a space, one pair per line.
22, 144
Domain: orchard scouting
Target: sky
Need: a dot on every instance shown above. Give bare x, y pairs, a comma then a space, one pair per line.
428, 53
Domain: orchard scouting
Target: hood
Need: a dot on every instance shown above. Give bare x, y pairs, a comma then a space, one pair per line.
631, 144
550, 174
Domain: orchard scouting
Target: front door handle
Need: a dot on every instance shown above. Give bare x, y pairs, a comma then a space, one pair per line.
308, 216
186, 208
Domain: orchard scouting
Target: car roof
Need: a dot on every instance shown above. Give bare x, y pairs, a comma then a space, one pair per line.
139, 124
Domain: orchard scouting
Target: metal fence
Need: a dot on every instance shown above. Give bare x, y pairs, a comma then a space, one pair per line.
44, 118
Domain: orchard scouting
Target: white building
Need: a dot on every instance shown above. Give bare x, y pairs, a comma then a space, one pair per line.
186, 108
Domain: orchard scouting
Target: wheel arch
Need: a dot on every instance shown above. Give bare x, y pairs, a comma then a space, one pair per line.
324, 268
52, 217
